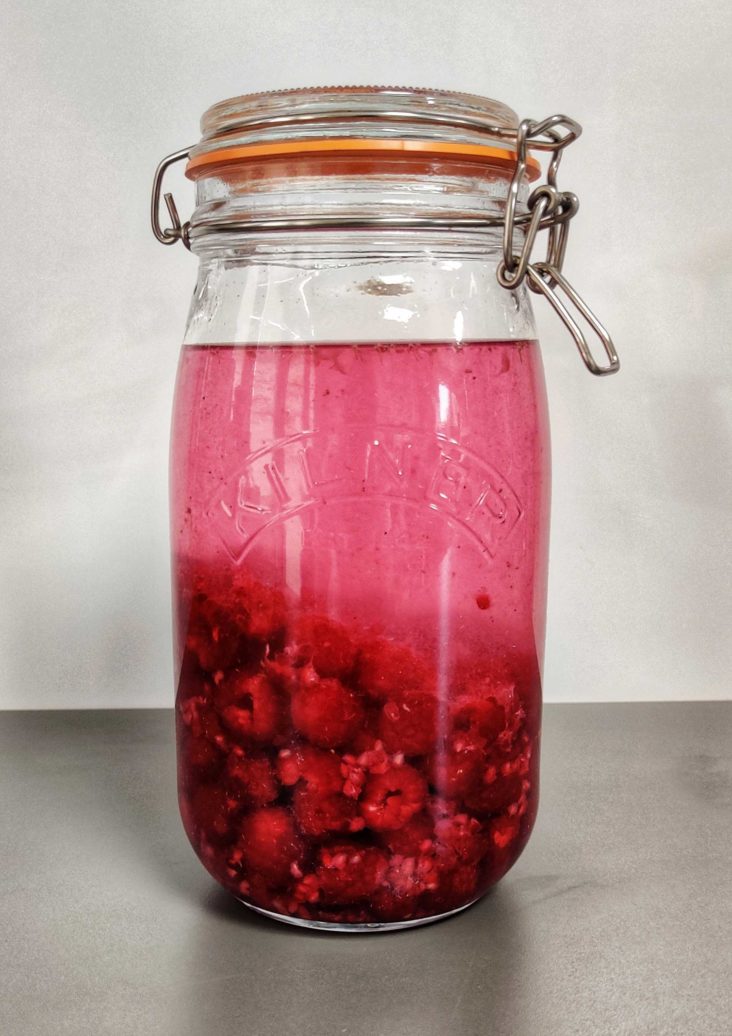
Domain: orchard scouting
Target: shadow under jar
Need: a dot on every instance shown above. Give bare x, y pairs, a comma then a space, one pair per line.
360, 484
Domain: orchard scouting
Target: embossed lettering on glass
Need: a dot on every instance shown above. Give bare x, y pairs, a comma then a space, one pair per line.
359, 497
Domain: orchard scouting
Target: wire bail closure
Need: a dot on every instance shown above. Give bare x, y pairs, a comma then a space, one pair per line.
178, 231
548, 208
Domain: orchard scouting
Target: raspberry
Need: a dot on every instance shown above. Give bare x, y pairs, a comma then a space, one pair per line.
504, 830
391, 799
282, 673
200, 755
457, 887
191, 677
367, 735
479, 716
270, 844
260, 611
198, 715
409, 724
318, 814
402, 886
348, 871
415, 837
459, 767
461, 838
252, 707
496, 684
254, 887
389, 905
373, 759
495, 792
253, 774
320, 770
211, 635
326, 712
406, 880
326, 644
512, 743
307, 890
388, 670
213, 809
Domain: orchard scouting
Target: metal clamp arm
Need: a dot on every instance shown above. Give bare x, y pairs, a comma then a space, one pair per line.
178, 231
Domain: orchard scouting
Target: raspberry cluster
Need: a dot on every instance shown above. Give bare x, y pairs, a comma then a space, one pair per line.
325, 776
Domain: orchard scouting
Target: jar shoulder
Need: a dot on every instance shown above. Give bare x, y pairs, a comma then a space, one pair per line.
281, 296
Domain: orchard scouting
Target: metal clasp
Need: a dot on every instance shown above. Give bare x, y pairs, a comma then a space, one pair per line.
178, 231
544, 279
552, 210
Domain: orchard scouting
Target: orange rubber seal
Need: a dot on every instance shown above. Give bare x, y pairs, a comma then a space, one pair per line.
489, 154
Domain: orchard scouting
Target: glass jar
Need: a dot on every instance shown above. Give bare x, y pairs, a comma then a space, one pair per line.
359, 497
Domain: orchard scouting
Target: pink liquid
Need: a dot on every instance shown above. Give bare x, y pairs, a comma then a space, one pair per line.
360, 551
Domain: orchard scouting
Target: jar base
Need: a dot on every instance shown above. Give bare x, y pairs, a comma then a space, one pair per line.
357, 929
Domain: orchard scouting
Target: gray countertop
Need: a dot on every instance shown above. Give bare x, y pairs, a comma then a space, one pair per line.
615, 920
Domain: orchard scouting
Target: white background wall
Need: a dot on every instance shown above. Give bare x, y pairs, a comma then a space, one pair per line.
94, 93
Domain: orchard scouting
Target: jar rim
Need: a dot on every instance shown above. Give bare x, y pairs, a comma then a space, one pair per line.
372, 120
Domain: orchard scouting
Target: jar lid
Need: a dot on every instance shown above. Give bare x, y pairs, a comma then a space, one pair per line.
433, 124
369, 120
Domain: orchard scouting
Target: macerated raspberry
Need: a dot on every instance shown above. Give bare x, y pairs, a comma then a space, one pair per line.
252, 707
348, 871
353, 775
368, 733
326, 712
495, 792
403, 876
479, 716
373, 759
415, 837
318, 813
254, 775
200, 755
388, 670
492, 680
408, 879
391, 799
504, 830
409, 724
282, 672
270, 843
199, 716
456, 887
318, 768
260, 611
512, 751
212, 635
213, 809
191, 676
306, 889
326, 644
460, 839
253, 887
459, 766
391, 905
